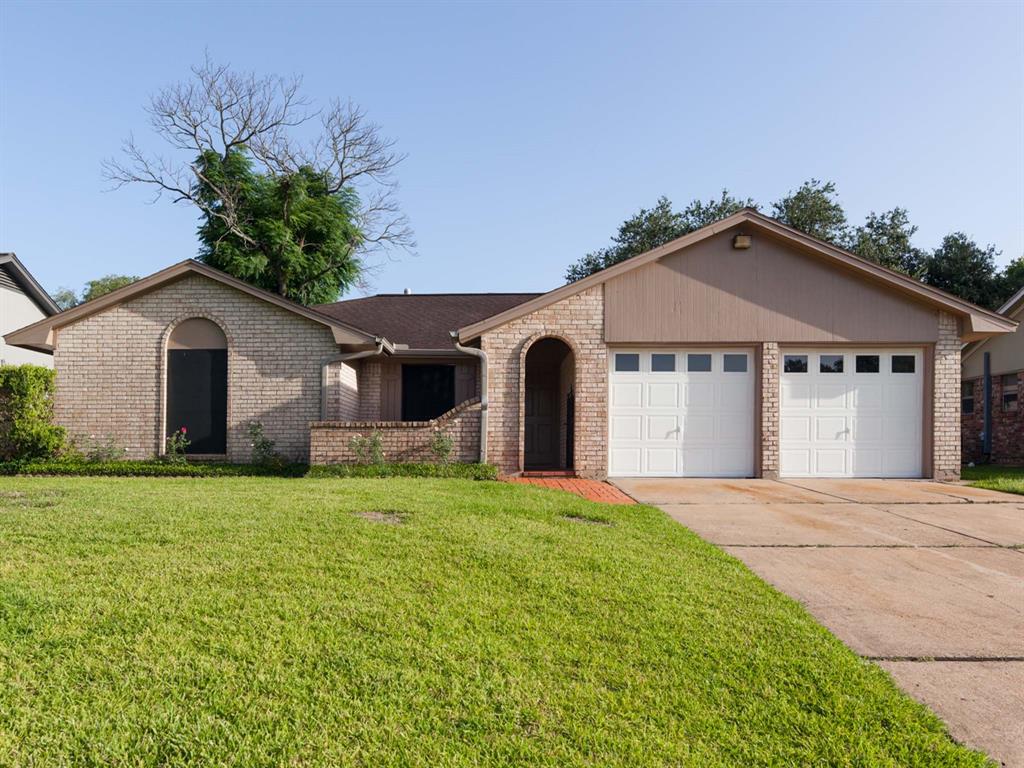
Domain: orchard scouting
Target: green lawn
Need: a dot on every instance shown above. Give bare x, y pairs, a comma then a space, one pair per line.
1008, 479
325, 622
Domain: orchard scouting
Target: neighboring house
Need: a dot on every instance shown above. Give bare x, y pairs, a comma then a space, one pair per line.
743, 349
22, 301
1006, 381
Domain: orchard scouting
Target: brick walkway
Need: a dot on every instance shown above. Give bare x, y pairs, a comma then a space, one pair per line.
594, 490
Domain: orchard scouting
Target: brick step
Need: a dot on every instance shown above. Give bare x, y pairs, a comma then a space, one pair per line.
548, 473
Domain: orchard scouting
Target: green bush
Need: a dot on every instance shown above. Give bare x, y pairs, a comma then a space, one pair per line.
464, 471
82, 468
27, 430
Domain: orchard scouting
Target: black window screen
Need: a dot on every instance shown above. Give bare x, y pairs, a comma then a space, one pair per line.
427, 391
197, 397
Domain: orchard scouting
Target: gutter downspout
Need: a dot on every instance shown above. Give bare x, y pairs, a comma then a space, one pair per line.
478, 353
986, 434
342, 358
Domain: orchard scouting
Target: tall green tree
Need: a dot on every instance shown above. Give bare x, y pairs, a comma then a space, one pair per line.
299, 218
1011, 280
101, 286
885, 238
814, 209
962, 267
650, 228
66, 298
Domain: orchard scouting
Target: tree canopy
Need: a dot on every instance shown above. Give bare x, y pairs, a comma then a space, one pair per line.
66, 298
958, 265
298, 218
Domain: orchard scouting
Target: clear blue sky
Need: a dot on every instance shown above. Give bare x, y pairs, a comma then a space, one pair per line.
532, 129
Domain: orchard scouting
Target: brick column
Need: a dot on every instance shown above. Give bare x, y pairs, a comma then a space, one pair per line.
946, 403
769, 357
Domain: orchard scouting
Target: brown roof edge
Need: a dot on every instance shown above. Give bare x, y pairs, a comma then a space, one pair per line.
35, 291
983, 322
1014, 306
39, 335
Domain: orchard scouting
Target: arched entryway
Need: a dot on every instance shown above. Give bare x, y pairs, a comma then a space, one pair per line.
548, 412
197, 385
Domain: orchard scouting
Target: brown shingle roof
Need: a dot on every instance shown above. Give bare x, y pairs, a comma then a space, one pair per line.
421, 320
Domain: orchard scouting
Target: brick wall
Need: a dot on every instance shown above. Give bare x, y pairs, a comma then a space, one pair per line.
111, 368
946, 403
342, 392
1007, 426
769, 449
330, 441
579, 321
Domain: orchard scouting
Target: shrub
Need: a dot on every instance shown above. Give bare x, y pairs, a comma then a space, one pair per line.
94, 449
263, 452
464, 471
81, 468
176, 445
441, 445
27, 430
368, 450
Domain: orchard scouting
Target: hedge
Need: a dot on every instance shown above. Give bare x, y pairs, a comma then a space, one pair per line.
464, 471
27, 430
70, 468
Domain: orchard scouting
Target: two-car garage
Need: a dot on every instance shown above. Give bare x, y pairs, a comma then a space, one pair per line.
691, 412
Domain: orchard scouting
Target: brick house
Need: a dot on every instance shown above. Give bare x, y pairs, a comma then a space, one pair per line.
1005, 355
743, 349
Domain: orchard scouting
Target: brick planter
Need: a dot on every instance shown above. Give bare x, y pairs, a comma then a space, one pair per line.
402, 441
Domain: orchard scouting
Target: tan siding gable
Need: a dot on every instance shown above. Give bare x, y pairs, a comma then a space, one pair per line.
711, 292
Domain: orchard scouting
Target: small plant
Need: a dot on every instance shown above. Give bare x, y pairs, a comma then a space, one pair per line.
368, 450
441, 445
97, 449
176, 446
263, 452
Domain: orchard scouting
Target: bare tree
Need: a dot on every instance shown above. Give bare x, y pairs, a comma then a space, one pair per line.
221, 111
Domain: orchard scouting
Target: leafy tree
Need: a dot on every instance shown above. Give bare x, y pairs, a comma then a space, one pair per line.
965, 269
648, 229
65, 298
1011, 280
884, 238
104, 285
299, 219
299, 239
814, 210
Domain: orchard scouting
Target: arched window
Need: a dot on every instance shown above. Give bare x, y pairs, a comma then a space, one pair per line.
197, 385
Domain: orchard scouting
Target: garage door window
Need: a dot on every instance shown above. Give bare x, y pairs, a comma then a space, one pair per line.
867, 363
830, 363
795, 364
698, 363
735, 364
903, 363
627, 363
661, 363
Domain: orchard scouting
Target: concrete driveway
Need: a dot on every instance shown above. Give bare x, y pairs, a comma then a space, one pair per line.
926, 579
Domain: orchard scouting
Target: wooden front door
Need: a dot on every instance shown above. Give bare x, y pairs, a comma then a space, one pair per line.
540, 439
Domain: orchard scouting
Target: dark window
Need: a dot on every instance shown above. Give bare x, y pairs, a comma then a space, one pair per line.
663, 363
795, 364
197, 398
427, 391
1011, 391
967, 404
903, 363
830, 363
867, 364
735, 364
627, 363
698, 363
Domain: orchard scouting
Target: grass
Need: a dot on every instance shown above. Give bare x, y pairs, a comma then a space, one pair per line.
318, 622
995, 478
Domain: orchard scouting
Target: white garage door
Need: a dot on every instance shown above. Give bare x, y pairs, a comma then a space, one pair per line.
851, 413
683, 412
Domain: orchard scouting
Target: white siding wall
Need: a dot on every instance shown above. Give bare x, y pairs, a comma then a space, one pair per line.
16, 311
